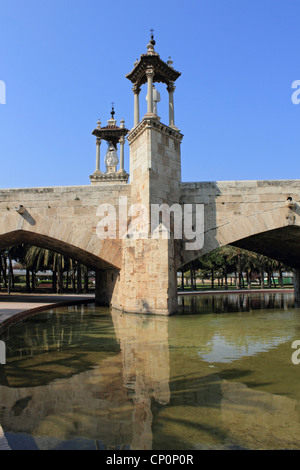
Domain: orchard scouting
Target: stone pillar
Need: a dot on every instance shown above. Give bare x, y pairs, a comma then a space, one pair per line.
101, 297
150, 75
106, 286
296, 273
171, 89
98, 143
148, 274
122, 142
136, 91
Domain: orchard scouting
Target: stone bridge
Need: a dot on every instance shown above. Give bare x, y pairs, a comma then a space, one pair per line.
249, 214
136, 270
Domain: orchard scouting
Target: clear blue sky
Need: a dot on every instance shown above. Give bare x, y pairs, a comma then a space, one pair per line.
64, 61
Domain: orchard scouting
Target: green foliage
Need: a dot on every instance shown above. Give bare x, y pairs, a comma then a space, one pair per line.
230, 260
34, 259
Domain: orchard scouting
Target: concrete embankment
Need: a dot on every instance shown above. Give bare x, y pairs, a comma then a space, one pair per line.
17, 306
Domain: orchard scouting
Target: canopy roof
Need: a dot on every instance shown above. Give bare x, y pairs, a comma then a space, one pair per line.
163, 72
111, 133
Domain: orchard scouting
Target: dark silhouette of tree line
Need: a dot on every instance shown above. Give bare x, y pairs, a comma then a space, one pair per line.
66, 272
230, 265
226, 266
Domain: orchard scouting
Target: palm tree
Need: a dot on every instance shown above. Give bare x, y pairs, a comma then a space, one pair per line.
40, 259
7, 265
3, 267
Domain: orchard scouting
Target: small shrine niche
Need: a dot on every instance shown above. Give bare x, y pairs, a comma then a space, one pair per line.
113, 135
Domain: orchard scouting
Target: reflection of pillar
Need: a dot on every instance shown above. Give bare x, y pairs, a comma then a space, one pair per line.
136, 91
171, 89
146, 367
150, 75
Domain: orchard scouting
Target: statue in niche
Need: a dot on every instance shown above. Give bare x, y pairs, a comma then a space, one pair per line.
156, 99
111, 158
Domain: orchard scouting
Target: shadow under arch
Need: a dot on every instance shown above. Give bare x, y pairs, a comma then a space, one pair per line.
269, 233
78, 253
103, 257
282, 244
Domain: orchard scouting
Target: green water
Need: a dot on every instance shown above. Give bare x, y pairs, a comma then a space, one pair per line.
219, 375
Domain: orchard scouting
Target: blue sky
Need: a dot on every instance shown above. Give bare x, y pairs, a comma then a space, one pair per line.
64, 61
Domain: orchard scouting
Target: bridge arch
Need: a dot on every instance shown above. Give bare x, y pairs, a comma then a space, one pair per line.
65, 238
274, 233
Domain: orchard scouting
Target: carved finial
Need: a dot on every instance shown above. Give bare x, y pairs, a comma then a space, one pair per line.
112, 110
170, 62
98, 124
151, 44
152, 37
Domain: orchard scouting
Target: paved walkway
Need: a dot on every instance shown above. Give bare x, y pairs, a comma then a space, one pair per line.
16, 305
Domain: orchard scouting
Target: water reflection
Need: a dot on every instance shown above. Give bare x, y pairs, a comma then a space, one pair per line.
91, 378
145, 357
234, 302
93, 375
230, 337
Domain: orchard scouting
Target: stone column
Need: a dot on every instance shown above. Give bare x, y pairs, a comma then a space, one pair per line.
122, 142
98, 143
105, 288
171, 89
149, 263
296, 273
150, 75
136, 91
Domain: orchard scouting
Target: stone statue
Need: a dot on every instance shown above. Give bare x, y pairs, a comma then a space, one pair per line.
156, 99
111, 158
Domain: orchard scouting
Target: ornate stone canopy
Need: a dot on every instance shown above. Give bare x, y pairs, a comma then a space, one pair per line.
150, 68
162, 71
111, 133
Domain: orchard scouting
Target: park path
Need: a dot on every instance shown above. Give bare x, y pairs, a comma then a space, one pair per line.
16, 305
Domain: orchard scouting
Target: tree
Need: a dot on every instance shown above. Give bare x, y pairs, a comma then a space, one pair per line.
228, 259
39, 259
